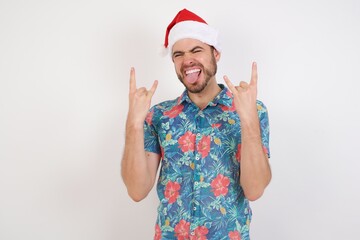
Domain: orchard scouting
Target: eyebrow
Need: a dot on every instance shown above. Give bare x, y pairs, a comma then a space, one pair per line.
191, 50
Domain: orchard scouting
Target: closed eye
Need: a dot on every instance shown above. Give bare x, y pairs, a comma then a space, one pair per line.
177, 54
197, 49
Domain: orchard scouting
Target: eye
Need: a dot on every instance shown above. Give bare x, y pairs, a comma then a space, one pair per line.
197, 49
177, 54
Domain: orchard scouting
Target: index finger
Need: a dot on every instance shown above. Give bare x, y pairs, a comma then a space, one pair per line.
132, 85
153, 89
254, 74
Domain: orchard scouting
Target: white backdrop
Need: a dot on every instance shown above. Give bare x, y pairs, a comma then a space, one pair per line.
64, 70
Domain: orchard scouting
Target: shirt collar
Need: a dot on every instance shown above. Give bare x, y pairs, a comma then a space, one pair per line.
225, 97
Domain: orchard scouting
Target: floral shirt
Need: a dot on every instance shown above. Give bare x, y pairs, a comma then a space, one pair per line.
199, 183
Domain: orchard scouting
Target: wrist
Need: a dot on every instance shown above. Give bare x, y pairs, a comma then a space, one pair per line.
250, 130
248, 117
134, 125
250, 137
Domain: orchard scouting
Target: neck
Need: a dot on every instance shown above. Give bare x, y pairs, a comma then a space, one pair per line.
203, 98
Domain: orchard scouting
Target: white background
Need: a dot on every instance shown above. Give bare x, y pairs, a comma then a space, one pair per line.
64, 71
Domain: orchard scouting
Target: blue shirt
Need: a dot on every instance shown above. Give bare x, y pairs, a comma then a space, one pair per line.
199, 183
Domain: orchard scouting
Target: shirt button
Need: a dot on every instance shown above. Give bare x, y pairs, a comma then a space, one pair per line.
198, 134
196, 183
194, 208
192, 233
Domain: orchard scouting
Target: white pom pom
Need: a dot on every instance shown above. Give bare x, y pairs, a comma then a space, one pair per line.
164, 51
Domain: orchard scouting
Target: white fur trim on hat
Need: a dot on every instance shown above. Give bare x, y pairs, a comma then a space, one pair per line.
195, 30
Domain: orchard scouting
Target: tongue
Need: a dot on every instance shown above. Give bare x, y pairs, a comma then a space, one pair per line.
192, 77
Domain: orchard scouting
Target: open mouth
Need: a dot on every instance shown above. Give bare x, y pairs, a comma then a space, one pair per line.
192, 75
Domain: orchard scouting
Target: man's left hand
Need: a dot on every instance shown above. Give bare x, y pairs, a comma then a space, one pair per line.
245, 95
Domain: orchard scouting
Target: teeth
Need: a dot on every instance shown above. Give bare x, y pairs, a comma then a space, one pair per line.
192, 71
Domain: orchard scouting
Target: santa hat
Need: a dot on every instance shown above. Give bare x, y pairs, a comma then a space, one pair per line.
187, 24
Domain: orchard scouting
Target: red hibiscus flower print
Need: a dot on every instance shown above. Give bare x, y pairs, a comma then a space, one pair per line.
182, 230
229, 94
216, 125
230, 109
234, 235
220, 185
157, 232
238, 152
187, 142
265, 150
204, 146
172, 191
176, 110
162, 152
149, 117
199, 233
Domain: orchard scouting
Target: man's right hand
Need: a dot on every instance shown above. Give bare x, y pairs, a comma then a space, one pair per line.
139, 101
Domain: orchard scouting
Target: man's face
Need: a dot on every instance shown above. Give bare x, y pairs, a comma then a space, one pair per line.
195, 63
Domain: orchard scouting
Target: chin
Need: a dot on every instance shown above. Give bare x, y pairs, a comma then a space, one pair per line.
198, 88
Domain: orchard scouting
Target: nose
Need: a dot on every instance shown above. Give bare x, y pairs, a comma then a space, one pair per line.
188, 59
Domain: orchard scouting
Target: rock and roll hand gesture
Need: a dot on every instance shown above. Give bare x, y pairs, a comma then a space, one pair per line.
139, 101
245, 95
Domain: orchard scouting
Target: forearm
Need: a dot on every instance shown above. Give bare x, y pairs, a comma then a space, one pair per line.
135, 169
255, 169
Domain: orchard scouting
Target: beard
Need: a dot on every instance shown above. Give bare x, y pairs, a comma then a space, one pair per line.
208, 74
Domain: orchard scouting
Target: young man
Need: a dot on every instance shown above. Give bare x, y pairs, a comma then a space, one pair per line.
213, 143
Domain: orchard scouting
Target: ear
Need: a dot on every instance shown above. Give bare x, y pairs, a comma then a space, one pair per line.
217, 54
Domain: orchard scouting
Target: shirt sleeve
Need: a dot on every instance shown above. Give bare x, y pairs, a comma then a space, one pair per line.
264, 126
151, 140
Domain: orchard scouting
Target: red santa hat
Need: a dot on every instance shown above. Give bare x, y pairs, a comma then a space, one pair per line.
187, 24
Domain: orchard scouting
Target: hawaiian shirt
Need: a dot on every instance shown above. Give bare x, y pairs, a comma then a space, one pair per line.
199, 181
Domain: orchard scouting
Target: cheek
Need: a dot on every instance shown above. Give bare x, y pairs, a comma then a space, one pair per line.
177, 67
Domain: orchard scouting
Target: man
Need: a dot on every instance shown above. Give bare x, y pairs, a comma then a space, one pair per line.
212, 143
